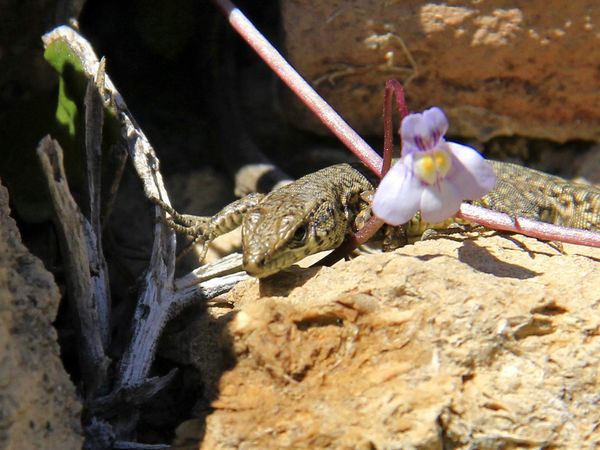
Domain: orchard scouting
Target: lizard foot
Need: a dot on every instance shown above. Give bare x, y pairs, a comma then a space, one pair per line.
196, 227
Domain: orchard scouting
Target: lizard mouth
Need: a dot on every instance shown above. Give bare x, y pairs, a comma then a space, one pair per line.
261, 266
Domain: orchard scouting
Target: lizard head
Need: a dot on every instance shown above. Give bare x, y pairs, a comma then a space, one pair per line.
287, 226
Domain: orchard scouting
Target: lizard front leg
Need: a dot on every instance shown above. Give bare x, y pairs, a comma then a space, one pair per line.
203, 229
394, 237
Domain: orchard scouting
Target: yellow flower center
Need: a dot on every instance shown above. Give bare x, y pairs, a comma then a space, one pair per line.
432, 166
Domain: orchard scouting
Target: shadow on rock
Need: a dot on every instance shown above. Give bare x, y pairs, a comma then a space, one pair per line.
482, 260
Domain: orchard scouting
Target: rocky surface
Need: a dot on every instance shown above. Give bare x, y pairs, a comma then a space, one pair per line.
496, 68
462, 342
38, 406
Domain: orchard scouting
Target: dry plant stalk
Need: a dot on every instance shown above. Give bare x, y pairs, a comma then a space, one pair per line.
162, 295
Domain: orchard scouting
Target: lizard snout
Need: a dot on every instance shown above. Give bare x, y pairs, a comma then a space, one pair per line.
261, 266
254, 265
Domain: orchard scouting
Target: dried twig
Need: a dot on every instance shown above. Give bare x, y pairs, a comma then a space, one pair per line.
162, 296
114, 165
150, 315
160, 293
94, 121
78, 241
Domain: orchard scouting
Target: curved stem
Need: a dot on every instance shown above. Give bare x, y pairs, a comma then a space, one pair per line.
540, 230
300, 87
391, 87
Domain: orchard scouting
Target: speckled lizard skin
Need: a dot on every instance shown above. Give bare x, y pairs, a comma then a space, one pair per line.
317, 211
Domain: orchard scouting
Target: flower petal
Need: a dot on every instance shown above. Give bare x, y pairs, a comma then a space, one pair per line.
437, 121
397, 198
471, 174
421, 132
440, 202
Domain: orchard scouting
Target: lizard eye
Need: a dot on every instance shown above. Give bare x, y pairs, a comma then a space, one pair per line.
300, 234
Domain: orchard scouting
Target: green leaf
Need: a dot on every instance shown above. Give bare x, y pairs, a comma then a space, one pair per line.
72, 84
70, 115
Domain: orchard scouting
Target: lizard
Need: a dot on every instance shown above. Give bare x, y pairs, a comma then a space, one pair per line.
317, 212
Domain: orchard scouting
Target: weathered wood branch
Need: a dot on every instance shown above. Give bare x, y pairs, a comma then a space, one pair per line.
78, 249
94, 121
162, 296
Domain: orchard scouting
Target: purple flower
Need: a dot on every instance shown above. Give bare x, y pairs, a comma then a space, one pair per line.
433, 175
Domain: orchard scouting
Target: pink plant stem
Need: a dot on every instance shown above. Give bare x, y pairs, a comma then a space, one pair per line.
368, 156
300, 87
391, 87
352, 242
528, 227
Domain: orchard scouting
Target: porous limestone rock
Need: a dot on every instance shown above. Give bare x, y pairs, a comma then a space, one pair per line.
38, 406
496, 67
458, 342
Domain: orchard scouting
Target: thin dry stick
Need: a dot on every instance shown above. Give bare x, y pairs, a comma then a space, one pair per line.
75, 233
154, 304
366, 154
160, 299
94, 120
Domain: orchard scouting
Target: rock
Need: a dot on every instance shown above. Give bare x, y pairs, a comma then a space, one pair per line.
459, 342
39, 408
589, 166
496, 69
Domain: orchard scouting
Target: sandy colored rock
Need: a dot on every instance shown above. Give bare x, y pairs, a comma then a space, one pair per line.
469, 342
496, 67
38, 406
